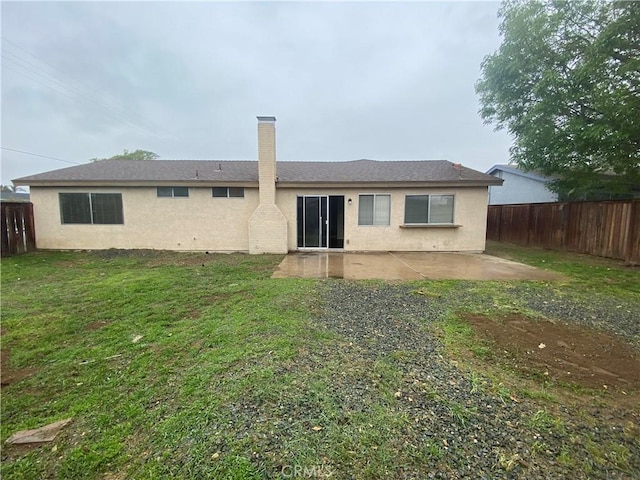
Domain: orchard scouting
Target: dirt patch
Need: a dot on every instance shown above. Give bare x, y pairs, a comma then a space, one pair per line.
182, 259
97, 325
10, 375
567, 353
155, 258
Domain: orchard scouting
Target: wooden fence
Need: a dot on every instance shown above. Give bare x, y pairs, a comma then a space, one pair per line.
18, 231
606, 229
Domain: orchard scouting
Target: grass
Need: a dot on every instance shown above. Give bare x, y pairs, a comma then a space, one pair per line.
208, 330
543, 421
187, 366
586, 275
178, 365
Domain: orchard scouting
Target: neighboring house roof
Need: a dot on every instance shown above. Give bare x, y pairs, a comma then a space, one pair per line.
14, 197
194, 172
533, 175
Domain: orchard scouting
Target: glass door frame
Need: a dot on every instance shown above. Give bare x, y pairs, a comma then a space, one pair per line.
323, 222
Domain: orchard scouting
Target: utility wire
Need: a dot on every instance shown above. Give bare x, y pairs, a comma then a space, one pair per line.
88, 87
103, 100
110, 105
68, 92
22, 74
37, 155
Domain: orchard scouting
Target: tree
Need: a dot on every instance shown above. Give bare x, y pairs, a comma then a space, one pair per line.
566, 84
127, 155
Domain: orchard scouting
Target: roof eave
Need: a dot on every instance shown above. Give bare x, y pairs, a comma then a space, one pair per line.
433, 184
137, 183
254, 184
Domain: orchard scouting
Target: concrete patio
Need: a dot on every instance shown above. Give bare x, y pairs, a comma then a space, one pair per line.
407, 266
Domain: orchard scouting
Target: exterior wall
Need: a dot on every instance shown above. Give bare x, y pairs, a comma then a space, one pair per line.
519, 189
199, 222
470, 212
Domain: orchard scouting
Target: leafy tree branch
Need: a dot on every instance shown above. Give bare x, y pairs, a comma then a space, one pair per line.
565, 82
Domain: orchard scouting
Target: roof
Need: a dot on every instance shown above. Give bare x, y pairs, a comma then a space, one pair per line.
533, 174
194, 172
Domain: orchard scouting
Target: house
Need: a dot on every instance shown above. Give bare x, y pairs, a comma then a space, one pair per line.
519, 186
262, 207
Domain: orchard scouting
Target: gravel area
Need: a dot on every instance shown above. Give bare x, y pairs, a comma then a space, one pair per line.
622, 319
481, 435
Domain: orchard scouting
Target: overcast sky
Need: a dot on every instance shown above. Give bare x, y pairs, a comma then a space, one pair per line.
385, 81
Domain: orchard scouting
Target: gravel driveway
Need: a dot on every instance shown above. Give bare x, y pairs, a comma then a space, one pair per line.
480, 434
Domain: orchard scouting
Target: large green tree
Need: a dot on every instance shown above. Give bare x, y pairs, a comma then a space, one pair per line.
566, 84
135, 155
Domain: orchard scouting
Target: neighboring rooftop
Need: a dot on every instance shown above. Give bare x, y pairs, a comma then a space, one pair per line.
6, 196
533, 174
194, 172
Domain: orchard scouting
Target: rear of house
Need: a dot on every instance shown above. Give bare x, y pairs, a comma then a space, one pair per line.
263, 206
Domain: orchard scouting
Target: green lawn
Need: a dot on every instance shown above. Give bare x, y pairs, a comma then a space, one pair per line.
212, 329
157, 356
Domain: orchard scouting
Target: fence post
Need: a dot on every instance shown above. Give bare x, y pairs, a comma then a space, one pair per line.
31, 229
631, 232
530, 223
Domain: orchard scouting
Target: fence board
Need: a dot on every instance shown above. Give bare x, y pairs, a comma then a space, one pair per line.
606, 229
18, 229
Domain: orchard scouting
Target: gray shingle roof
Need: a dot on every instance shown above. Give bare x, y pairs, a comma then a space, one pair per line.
194, 171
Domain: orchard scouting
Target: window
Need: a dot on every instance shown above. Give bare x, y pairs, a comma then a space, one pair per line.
91, 208
228, 192
173, 191
374, 209
428, 209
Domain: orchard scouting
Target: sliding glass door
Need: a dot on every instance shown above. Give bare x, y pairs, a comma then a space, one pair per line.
320, 221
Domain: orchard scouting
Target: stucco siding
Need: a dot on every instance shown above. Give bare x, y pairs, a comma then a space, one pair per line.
519, 189
470, 212
199, 222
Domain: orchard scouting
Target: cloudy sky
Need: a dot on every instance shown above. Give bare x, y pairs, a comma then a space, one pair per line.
386, 81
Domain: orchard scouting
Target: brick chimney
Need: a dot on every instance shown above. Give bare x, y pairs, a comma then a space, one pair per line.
268, 228
267, 159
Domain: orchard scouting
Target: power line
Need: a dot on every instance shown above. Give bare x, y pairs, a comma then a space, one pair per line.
52, 87
105, 96
105, 99
68, 91
37, 155
116, 107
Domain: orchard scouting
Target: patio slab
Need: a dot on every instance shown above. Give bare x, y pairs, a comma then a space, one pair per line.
407, 266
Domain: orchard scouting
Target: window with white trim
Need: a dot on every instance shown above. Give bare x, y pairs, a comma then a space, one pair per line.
91, 208
425, 209
374, 209
173, 192
227, 192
